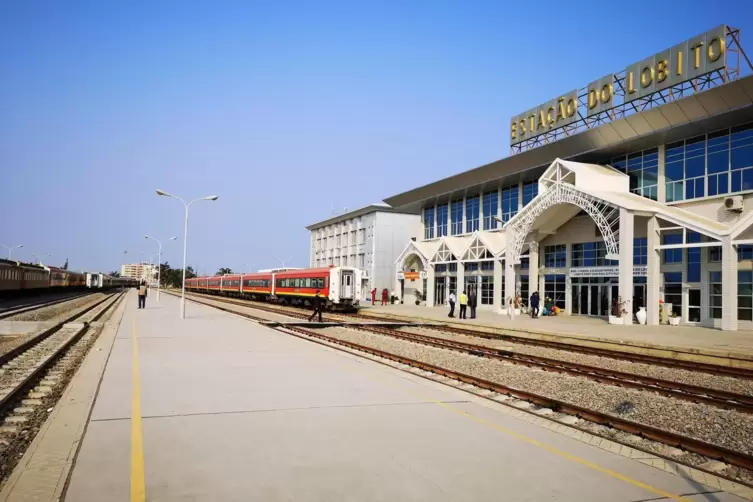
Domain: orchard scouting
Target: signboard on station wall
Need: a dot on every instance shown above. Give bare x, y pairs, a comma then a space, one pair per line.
638, 271
690, 59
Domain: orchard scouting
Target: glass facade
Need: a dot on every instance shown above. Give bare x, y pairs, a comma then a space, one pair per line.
694, 258
672, 255
714, 164
715, 295
491, 206
429, 222
590, 254
745, 295
487, 290
640, 251
555, 256
673, 291
530, 190
509, 202
472, 213
554, 288
442, 220
643, 170
456, 215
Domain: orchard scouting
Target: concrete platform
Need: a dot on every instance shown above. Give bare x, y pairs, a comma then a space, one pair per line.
733, 348
333, 324
228, 410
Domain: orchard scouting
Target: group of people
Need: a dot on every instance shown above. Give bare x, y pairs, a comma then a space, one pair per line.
471, 300
386, 297
466, 301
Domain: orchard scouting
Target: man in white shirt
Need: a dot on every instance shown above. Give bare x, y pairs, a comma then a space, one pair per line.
452, 305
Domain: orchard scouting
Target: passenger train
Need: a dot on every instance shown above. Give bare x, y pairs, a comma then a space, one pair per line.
18, 278
338, 286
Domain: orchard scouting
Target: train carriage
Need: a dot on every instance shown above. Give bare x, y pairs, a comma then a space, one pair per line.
337, 285
16, 277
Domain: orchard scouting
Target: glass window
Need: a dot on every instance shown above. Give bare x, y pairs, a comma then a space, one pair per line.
509, 202
643, 169
491, 203
440, 267
715, 254
453, 267
715, 295
487, 265
590, 254
429, 222
471, 213
554, 289
640, 251
744, 252
555, 256
745, 296
530, 190
456, 214
694, 258
672, 255
442, 220
471, 266
487, 290
673, 291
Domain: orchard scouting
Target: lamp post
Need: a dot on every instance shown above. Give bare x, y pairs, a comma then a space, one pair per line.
159, 261
39, 257
10, 248
250, 267
283, 261
185, 244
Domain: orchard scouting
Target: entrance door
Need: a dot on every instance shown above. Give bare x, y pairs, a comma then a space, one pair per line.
584, 299
346, 284
440, 291
595, 299
639, 297
472, 285
694, 305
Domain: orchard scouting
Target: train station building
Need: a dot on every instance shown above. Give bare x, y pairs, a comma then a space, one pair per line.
635, 189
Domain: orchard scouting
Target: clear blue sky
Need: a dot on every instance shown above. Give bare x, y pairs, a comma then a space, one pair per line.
284, 109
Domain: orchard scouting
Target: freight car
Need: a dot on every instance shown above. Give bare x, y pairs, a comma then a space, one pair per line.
339, 286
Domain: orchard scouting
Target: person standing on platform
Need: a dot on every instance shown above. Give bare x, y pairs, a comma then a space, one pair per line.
472, 302
317, 303
142, 295
384, 296
463, 304
373, 296
535, 305
452, 304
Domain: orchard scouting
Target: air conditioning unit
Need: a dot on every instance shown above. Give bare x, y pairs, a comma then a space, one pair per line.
734, 203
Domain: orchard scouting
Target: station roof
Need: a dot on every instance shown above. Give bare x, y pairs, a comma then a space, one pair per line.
724, 106
371, 208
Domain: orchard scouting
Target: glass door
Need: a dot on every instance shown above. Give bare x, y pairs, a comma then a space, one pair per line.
639, 297
594, 303
694, 305
440, 291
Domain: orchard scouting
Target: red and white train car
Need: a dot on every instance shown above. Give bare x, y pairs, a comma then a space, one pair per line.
337, 285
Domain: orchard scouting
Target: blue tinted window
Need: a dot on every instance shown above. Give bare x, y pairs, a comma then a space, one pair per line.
672, 255
640, 251
471, 213
429, 222
509, 202
694, 258
744, 252
442, 220
530, 190
491, 202
456, 214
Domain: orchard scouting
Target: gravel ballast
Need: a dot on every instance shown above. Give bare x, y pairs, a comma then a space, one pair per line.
727, 428
729, 384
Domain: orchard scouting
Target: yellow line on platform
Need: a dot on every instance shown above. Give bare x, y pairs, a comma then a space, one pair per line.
552, 449
138, 486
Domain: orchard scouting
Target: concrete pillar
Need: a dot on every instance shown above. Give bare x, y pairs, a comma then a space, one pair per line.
430, 277
653, 278
509, 272
705, 286
661, 178
520, 196
533, 268
729, 285
497, 292
461, 280
568, 281
542, 277
627, 221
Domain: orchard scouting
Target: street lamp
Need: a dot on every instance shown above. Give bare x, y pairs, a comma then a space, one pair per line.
10, 248
185, 244
250, 267
159, 261
39, 258
283, 261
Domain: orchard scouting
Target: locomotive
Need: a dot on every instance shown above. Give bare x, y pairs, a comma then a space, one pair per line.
338, 286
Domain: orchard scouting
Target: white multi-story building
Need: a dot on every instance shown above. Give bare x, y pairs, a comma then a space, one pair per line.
369, 238
140, 271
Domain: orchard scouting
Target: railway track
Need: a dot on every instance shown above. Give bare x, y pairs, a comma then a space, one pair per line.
689, 444
20, 309
21, 367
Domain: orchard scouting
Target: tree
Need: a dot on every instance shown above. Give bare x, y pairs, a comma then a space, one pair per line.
114, 274
174, 276
224, 271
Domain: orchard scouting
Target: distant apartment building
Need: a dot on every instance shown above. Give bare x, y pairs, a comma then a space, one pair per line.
369, 238
141, 271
